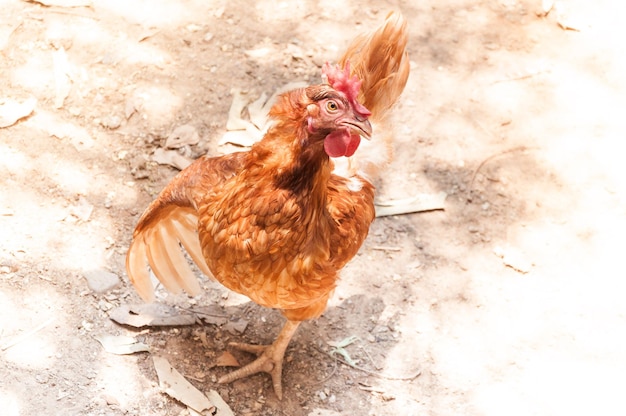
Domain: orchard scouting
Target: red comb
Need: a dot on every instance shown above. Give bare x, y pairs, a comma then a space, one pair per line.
341, 81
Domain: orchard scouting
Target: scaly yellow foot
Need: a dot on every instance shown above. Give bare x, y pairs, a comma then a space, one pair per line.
270, 358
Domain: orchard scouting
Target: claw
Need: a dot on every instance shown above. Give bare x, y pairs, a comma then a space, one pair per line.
270, 359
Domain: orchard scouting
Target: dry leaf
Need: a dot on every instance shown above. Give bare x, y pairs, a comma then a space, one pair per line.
235, 122
222, 408
238, 137
175, 385
150, 314
236, 327
287, 87
121, 345
182, 136
418, 203
257, 113
243, 132
12, 111
211, 314
226, 360
171, 158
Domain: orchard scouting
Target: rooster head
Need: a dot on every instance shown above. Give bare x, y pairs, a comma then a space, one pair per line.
337, 114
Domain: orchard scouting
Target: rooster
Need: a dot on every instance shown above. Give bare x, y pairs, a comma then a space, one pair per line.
276, 223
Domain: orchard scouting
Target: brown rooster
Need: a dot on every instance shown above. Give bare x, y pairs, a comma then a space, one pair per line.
275, 223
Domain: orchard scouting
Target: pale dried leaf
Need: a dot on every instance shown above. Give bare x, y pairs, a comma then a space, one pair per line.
257, 113
227, 360
339, 348
211, 314
150, 314
245, 133
182, 136
239, 137
171, 158
418, 203
222, 408
235, 121
12, 111
175, 385
121, 345
236, 327
287, 87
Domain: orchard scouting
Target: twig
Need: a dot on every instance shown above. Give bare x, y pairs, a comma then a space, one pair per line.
369, 356
386, 248
373, 373
490, 158
199, 380
26, 335
332, 373
370, 388
197, 312
520, 77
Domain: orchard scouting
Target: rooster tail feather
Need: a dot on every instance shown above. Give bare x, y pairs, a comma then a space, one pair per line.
381, 62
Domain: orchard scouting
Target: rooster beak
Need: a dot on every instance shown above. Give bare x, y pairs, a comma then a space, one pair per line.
360, 126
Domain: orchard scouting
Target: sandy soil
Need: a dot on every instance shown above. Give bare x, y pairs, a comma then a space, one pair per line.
508, 302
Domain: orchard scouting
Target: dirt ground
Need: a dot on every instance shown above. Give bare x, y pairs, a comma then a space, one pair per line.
508, 302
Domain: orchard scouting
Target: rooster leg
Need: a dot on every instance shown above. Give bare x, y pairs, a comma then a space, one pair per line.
270, 358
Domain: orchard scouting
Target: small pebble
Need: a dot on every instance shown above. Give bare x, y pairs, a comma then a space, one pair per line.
111, 122
110, 400
101, 281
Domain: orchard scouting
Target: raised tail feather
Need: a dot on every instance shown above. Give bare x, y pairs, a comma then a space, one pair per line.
381, 62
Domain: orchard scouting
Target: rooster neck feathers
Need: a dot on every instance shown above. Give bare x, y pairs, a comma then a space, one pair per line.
293, 152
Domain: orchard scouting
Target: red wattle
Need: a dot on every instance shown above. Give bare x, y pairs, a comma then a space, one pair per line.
341, 143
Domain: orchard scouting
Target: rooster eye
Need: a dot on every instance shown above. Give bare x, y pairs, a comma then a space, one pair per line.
332, 106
